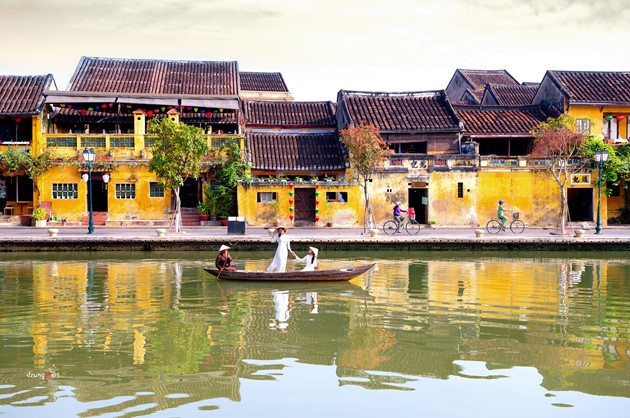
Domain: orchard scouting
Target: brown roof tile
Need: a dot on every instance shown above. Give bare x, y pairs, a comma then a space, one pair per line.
479, 78
594, 86
399, 112
500, 120
520, 95
23, 95
304, 114
119, 75
295, 152
255, 81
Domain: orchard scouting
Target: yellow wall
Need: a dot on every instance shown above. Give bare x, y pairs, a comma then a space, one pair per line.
340, 213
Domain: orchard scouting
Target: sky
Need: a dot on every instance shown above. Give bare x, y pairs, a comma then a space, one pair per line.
323, 46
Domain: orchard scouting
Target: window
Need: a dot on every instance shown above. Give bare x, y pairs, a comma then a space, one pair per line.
265, 197
336, 197
65, 191
125, 191
583, 126
156, 189
460, 190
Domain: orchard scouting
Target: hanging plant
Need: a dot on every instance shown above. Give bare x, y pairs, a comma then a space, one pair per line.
13, 159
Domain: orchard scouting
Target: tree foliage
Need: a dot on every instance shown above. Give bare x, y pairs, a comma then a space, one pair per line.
367, 152
558, 141
233, 168
178, 154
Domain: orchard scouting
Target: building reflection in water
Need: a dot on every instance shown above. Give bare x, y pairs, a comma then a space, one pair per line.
114, 328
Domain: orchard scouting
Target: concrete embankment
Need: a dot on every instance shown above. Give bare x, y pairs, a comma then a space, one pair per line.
28, 239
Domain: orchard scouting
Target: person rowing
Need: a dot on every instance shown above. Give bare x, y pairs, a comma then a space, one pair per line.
224, 260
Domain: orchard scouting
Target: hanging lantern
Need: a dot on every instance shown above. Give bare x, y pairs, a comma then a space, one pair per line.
208, 114
316, 218
291, 209
90, 109
608, 117
18, 120
83, 112
156, 111
196, 109
290, 201
317, 185
103, 106
291, 193
128, 106
316, 193
317, 203
69, 106
111, 105
149, 113
221, 110
316, 210
619, 117
291, 217
163, 108
290, 187
62, 105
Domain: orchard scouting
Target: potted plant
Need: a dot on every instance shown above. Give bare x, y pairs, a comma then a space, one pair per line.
218, 201
39, 216
204, 211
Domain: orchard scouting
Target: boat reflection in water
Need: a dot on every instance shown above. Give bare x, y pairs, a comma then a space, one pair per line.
439, 334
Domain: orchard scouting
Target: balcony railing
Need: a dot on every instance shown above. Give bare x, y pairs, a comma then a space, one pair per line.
457, 162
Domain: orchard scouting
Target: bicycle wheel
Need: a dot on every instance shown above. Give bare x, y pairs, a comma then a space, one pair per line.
412, 228
390, 227
493, 226
517, 227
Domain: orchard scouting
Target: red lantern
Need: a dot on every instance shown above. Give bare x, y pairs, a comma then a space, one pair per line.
290, 201
104, 106
291, 217
208, 115
317, 203
18, 120
83, 112
317, 185
317, 219
149, 113
290, 185
619, 117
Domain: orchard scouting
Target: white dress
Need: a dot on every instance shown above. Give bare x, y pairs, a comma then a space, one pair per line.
279, 263
310, 263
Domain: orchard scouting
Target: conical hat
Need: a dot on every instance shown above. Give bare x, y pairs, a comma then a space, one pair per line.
315, 250
224, 247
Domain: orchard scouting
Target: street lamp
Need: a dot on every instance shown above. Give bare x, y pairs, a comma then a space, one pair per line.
88, 156
601, 155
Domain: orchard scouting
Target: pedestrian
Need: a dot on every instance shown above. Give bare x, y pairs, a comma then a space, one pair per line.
224, 259
279, 263
310, 259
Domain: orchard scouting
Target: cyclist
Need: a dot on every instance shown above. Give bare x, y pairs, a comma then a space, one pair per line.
501, 215
398, 216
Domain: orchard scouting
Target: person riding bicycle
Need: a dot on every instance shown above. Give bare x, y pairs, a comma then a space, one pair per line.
398, 216
501, 215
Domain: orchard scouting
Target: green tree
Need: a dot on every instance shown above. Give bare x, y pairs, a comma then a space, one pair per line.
557, 140
178, 154
367, 153
233, 167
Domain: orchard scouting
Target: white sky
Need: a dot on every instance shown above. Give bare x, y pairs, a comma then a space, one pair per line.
322, 46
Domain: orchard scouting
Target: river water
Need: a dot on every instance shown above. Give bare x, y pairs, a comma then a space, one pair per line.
422, 334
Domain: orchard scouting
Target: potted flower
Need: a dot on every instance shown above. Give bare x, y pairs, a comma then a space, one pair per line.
39, 216
204, 211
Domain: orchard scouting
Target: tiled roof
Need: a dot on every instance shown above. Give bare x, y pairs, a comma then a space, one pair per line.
520, 95
254, 81
399, 112
296, 152
23, 95
119, 75
500, 120
479, 78
269, 113
594, 86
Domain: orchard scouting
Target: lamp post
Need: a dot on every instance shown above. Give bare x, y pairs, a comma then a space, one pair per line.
89, 155
601, 155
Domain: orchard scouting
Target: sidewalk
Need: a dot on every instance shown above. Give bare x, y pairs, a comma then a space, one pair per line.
75, 238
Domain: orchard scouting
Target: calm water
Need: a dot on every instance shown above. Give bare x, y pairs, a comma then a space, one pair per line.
424, 334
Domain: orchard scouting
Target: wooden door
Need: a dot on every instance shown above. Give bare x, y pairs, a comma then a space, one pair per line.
305, 204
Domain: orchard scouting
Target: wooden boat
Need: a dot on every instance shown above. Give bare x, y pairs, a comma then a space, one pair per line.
325, 275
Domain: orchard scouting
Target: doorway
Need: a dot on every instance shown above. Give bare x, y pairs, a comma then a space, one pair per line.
419, 200
189, 193
99, 194
305, 205
580, 204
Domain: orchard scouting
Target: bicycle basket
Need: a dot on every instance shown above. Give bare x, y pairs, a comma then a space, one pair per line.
516, 215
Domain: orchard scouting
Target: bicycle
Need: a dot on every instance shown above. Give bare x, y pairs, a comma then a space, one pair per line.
494, 226
411, 226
